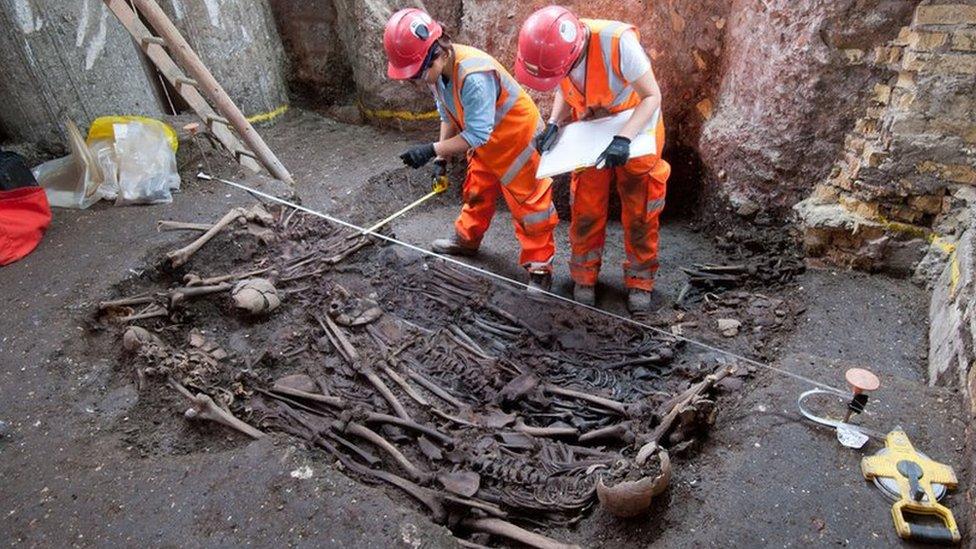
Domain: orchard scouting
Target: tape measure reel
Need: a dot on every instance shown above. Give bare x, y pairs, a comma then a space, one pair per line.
913, 481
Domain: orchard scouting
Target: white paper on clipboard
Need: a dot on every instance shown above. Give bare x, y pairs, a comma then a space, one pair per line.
580, 143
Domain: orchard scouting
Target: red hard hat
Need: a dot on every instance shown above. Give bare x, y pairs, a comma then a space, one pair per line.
408, 37
549, 43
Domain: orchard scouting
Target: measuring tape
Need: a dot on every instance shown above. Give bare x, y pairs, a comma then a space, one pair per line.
440, 185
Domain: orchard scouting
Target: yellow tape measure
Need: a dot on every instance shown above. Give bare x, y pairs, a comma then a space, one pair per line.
914, 474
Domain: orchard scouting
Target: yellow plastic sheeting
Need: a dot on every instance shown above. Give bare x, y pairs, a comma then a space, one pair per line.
103, 128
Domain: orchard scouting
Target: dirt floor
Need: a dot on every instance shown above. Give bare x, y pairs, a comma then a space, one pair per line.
88, 459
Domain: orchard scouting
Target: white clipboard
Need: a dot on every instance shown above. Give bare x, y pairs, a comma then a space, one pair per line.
580, 143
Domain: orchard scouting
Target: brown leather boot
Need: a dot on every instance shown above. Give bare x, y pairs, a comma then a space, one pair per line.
540, 281
452, 246
584, 294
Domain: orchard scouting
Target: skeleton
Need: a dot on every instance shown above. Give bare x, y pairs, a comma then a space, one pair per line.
490, 422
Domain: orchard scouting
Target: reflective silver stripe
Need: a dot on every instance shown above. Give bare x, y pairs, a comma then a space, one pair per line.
617, 85
471, 63
634, 263
513, 89
623, 96
654, 205
518, 164
650, 265
539, 217
592, 255
639, 275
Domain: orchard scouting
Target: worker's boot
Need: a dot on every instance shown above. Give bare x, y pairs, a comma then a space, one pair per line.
584, 294
452, 246
644, 301
540, 281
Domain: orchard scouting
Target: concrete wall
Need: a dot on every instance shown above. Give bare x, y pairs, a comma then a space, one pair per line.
66, 59
952, 318
952, 338
239, 43
72, 58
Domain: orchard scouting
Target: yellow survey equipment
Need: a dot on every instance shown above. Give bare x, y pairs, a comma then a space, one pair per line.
914, 480
439, 184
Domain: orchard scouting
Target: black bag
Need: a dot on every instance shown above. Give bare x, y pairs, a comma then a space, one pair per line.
14, 172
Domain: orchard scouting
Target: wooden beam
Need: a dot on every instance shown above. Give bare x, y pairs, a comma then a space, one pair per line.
209, 86
168, 68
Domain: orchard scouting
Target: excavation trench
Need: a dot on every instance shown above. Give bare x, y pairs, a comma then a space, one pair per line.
338, 458
464, 396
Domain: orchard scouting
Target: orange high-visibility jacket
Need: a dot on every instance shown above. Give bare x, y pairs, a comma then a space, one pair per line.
606, 88
509, 148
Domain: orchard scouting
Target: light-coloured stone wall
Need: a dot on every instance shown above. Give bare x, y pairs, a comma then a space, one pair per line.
902, 185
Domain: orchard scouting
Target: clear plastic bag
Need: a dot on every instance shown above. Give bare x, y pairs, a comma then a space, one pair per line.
104, 152
146, 163
72, 181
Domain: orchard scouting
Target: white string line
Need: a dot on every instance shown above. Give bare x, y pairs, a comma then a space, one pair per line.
535, 291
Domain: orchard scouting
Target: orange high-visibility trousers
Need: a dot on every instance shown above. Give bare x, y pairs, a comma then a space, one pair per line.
642, 184
534, 218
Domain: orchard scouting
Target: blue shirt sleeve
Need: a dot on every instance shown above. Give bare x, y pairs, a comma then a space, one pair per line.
478, 96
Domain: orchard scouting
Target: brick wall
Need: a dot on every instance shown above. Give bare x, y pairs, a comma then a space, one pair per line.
908, 168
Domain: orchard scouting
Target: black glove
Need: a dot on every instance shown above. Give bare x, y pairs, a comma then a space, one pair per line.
545, 140
440, 167
616, 154
417, 156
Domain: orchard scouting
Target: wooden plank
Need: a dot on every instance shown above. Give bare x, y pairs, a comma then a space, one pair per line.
208, 85
168, 68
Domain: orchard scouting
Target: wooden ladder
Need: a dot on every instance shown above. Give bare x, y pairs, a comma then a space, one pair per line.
196, 84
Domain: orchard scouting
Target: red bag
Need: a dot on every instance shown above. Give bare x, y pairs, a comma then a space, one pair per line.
24, 215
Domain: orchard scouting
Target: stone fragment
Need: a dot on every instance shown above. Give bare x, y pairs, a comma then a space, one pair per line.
946, 14
729, 327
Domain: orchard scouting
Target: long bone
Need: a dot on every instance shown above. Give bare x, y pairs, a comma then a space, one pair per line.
182, 255
612, 405
346, 426
371, 417
499, 527
348, 352
203, 407
678, 405
166, 225
195, 280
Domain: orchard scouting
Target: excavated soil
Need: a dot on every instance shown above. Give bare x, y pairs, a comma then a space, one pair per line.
483, 364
